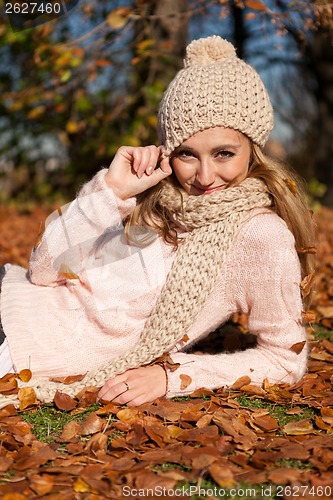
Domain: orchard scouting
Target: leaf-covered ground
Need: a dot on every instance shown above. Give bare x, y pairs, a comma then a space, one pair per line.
245, 442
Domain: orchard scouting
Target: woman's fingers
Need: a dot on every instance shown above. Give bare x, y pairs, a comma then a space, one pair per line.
136, 169
145, 160
135, 386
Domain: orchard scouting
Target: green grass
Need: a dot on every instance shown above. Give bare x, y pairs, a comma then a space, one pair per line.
48, 422
320, 332
277, 411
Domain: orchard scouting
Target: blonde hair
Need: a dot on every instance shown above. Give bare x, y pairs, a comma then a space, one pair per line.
289, 202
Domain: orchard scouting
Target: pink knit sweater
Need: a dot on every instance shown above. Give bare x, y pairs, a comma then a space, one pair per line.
90, 293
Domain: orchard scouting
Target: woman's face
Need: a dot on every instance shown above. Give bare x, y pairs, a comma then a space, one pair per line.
209, 160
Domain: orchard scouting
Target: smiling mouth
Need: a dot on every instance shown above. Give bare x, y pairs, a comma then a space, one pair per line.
208, 190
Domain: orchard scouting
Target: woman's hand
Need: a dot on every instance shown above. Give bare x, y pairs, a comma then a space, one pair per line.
133, 170
135, 387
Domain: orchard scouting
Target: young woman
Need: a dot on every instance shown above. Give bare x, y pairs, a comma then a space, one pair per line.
164, 246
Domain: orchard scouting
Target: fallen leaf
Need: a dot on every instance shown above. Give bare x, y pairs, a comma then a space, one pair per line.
307, 283
298, 347
223, 476
327, 415
185, 381
298, 428
27, 397
68, 380
240, 382
25, 375
92, 425
41, 483
309, 316
8, 383
64, 401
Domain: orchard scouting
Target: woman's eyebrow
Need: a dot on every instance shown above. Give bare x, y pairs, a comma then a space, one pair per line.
226, 146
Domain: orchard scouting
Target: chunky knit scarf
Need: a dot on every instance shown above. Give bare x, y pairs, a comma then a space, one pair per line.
212, 222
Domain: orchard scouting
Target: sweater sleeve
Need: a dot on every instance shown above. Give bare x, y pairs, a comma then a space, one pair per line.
265, 283
71, 231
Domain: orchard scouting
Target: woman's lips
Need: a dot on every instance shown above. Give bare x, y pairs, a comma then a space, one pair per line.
208, 190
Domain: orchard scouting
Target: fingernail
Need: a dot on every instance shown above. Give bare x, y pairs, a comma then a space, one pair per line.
150, 170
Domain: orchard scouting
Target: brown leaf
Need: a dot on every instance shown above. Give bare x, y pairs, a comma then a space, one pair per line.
27, 397
328, 345
291, 185
284, 476
240, 382
309, 316
307, 250
38, 456
68, 380
327, 415
298, 428
298, 347
25, 375
70, 430
222, 475
64, 401
325, 311
256, 5
42, 484
253, 390
185, 381
128, 415
8, 383
266, 423
307, 283
92, 425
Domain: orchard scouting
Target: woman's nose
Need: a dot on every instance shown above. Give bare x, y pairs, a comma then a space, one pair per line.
205, 173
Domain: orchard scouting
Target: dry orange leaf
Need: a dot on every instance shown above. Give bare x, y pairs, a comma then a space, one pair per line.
307, 250
298, 347
92, 425
307, 283
185, 381
254, 390
240, 382
327, 415
25, 375
291, 185
256, 5
81, 486
64, 401
222, 475
8, 383
298, 428
27, 397
41, 484
309, 316
68, 380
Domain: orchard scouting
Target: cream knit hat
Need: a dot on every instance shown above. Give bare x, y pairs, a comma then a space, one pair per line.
215, 88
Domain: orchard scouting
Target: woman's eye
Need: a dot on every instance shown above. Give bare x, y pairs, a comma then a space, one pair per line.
184, 154
225, 154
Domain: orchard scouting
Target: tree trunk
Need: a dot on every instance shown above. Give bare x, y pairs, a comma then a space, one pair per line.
322, 70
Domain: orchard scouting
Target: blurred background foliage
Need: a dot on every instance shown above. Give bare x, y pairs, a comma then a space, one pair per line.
74, 89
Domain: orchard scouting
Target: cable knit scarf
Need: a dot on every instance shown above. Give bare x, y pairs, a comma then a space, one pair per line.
212, 222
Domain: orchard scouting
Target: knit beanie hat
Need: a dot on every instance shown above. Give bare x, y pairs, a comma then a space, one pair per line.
215, 88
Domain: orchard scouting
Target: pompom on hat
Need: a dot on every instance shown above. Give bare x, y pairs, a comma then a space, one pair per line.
215, 88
